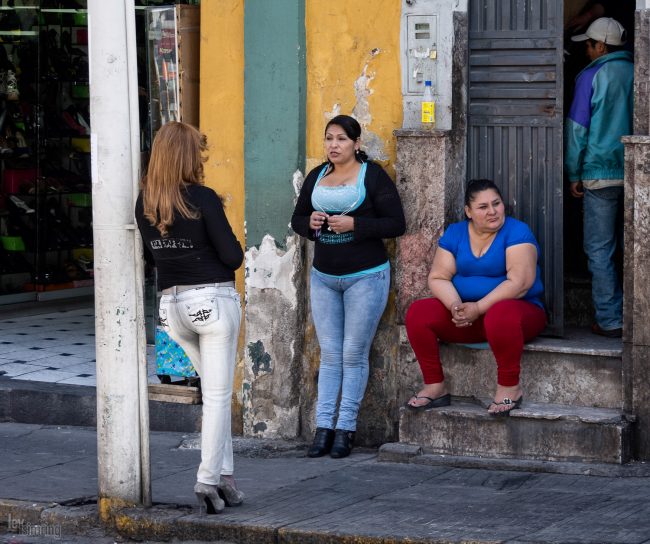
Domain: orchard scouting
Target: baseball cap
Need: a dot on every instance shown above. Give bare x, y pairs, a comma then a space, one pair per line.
606, 30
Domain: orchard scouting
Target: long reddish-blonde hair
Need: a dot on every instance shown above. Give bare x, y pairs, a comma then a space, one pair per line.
177, 158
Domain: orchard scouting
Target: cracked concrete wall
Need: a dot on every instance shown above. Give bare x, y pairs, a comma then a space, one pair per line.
431, 172
636, 290
274, 157
273, 351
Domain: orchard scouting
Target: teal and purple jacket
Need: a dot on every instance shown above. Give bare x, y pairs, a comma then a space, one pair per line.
601, 113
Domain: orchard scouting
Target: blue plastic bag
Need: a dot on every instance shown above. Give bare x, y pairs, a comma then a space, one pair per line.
171, 359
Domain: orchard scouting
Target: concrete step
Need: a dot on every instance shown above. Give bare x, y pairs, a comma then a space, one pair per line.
23, 401
581, 369
536, 431
578, 307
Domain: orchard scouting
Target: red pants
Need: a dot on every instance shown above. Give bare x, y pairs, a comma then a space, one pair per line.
505, 326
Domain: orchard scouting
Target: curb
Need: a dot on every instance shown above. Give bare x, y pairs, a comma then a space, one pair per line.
167, 524
164, 523
68, 520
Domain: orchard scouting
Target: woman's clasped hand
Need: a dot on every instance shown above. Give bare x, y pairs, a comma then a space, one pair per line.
463, 314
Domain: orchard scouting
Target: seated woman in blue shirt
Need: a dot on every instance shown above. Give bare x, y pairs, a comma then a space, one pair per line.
485, 280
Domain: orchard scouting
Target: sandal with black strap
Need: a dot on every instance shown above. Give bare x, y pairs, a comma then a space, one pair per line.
439, 402
513, 405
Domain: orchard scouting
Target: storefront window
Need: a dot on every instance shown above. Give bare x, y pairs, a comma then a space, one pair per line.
45, 185
45, 201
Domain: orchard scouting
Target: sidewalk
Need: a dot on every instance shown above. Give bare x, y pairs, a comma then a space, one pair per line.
291, 498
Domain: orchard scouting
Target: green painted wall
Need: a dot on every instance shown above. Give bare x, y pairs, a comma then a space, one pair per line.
274, 110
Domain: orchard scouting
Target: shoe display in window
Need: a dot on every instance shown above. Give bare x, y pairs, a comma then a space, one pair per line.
12, 86
20, 204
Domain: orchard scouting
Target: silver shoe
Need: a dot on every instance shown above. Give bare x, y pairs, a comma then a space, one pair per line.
208, 497
229, 493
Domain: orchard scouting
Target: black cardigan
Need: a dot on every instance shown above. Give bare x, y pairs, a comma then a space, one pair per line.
196, 251
380, 215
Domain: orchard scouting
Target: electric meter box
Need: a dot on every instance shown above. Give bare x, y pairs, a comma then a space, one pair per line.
427, 38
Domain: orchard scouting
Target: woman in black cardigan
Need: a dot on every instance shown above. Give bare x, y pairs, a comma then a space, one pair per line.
346, 206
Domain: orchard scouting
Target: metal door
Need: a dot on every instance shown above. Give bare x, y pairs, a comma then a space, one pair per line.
515, 120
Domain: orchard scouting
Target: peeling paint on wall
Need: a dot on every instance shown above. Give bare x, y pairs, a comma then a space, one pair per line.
274, 321
259, 427
370, 142
357, 73
270, 267
297, 180
260, 359
336, 110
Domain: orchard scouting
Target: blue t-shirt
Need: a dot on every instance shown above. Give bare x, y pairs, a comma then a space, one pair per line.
477, 276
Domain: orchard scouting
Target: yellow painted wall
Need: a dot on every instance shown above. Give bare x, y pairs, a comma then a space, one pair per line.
222, 106
222, 121
344, 39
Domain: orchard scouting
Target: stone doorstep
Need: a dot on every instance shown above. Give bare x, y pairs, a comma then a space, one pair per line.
596, 348
402, 452
557, 377
536, 432
581, 369
577, 340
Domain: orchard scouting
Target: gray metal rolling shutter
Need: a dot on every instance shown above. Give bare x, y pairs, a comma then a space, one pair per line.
515, 120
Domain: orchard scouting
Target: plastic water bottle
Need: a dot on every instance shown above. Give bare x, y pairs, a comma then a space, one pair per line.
428, 107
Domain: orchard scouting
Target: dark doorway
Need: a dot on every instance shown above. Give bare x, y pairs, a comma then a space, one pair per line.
577, 285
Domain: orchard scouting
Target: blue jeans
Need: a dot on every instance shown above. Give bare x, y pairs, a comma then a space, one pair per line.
602, 232
346, 313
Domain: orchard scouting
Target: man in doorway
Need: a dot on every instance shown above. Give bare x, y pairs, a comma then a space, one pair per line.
601, 113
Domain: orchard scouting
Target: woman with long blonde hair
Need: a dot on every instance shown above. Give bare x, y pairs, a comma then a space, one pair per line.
188, 238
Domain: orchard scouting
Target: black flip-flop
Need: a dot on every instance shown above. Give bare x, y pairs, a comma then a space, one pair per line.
514, 404
444, 400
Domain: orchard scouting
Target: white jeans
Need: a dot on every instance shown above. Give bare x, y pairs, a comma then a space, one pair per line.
205, 323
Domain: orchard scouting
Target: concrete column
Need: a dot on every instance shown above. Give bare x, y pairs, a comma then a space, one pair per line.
122, 410
642, 72
636, 290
